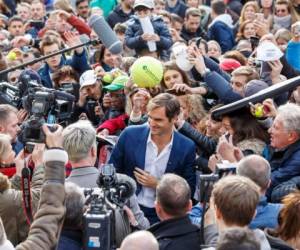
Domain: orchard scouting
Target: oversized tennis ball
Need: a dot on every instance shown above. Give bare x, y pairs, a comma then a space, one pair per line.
259, 112
12, 56
146, 72
108, 78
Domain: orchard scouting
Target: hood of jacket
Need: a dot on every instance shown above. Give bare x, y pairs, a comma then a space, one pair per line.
275, 242
224, 18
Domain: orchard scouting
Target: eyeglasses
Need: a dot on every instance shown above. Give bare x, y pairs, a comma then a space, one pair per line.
281, 10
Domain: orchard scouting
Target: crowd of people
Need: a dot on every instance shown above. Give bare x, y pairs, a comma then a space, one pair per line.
188, 179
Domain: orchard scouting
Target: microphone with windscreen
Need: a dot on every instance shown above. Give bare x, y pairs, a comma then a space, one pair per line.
126, 186
105, 34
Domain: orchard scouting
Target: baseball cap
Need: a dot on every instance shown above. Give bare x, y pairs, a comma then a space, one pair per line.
268, 51
88, 78
181, 57
254, 86
229, 64
117, 84
146, 3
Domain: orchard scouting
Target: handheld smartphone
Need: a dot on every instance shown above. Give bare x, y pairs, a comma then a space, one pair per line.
254, 42
175, 92
28, 149
38, 24
259, 17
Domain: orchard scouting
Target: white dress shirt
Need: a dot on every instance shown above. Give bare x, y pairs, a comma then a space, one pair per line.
155, 165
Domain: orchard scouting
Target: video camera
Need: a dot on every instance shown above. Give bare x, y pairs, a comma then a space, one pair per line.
43, 105
9, 94
207, 180
105, 222
56, 106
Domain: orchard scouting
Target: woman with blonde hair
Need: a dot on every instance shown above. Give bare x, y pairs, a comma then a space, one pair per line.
248, 11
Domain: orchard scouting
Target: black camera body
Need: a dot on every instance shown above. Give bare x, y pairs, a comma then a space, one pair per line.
9, 94
45, 106
90, 108
105, 222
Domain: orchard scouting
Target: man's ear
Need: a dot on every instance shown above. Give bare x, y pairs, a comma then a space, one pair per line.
293, 136
93, 151
158, 208
1, 128
189, 206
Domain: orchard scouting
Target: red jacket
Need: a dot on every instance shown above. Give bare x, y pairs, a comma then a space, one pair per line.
115, 124
77, 23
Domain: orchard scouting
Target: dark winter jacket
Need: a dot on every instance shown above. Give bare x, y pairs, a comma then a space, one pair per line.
78, 62
133, 35
285, 188
188, 35
275, 242
176, 234
221, 30
118, 16
284, 165
179, 9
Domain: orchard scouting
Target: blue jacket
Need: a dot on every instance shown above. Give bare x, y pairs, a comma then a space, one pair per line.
266, 214
78, 62
130, 152
293, 54
284, 165
223, 34
133, 39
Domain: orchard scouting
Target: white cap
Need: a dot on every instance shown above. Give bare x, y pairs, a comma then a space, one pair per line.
88, 78
147, 3
268, 51
181, 57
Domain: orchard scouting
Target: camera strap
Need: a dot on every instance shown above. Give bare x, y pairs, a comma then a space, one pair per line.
26, 194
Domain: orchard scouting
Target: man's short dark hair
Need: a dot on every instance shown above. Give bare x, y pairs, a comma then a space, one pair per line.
218, 6
238, 239
193, 12
5, 111
15, 19
80, 1
168, 101
173, 194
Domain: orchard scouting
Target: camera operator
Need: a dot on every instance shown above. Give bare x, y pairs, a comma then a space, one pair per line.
11, 202
79, 140
90, 94
45, 228
66, 79
9, 124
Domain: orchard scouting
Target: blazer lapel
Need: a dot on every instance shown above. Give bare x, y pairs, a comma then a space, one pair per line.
140, 147
175, 152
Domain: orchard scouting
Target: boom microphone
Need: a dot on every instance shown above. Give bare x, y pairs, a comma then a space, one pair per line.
105, 34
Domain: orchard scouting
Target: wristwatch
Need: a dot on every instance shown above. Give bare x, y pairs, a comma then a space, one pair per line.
205, 72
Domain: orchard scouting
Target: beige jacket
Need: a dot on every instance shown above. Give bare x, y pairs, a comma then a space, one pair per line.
11, 207
44, 231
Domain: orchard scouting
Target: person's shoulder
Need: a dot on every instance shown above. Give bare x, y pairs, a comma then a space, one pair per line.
136, 128
184, 140
132, 20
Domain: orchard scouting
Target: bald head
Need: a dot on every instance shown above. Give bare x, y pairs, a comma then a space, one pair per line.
257, 169
139, 240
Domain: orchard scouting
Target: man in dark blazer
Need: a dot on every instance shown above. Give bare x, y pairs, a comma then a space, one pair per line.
146, 152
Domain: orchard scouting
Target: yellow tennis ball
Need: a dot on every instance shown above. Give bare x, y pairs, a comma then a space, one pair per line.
146, 72
108, 78
12, 56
